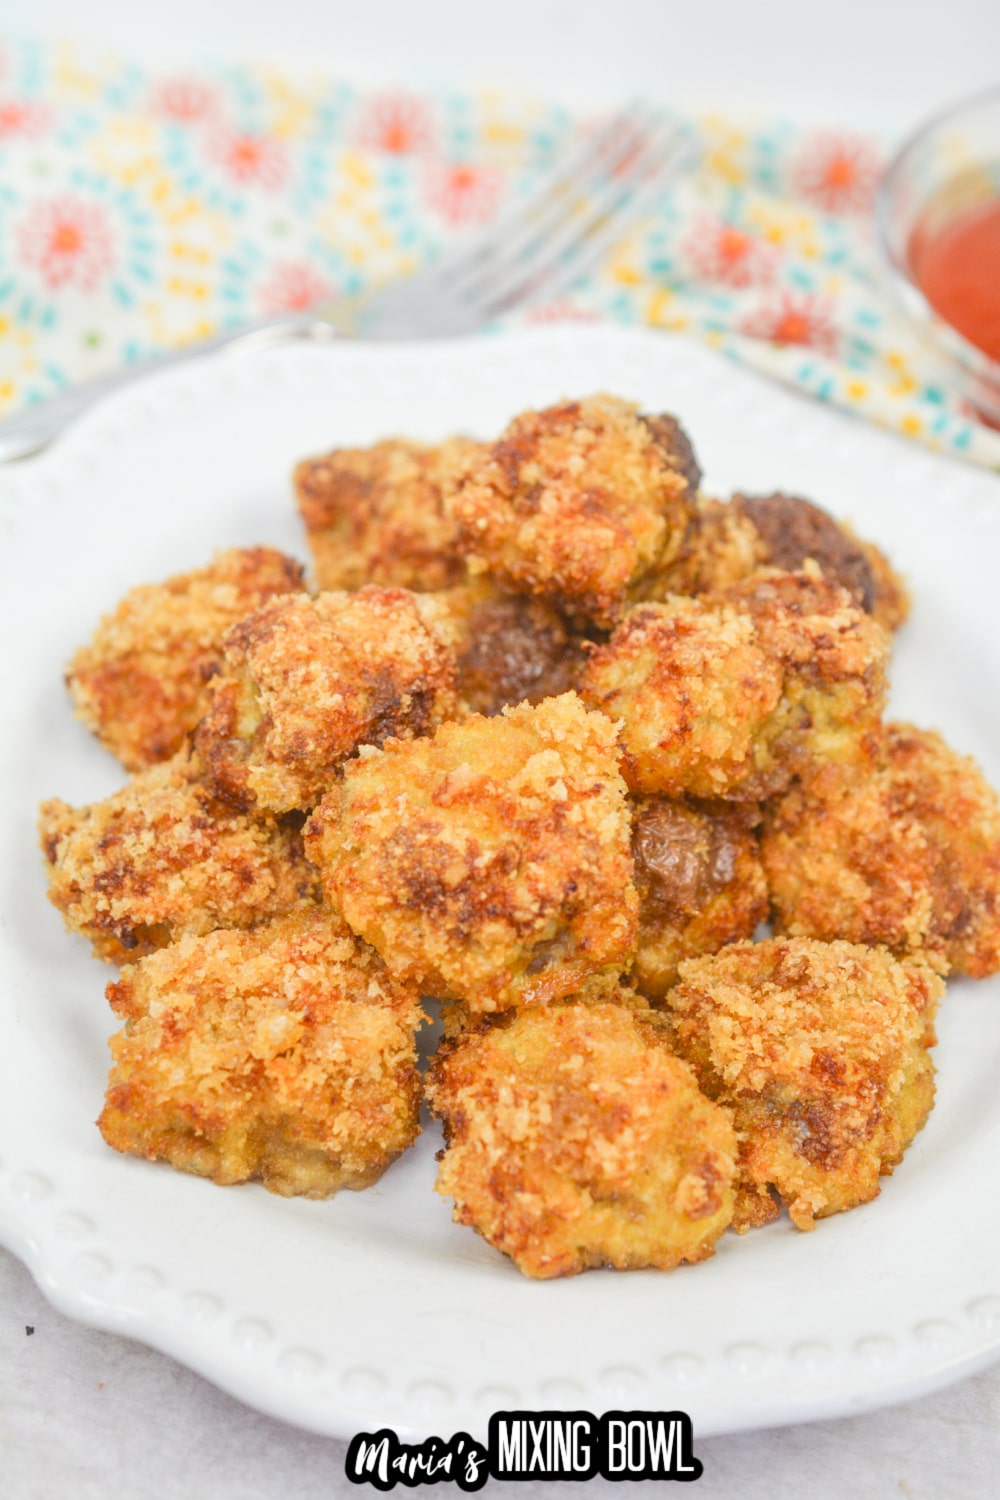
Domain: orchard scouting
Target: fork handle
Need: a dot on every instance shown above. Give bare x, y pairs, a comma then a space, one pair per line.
38, 426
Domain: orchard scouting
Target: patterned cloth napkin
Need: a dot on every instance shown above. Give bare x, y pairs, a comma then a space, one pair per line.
139, 212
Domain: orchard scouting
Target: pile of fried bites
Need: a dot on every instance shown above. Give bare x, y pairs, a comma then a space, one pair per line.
556, 734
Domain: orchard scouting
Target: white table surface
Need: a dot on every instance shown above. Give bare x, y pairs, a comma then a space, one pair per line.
86, 1414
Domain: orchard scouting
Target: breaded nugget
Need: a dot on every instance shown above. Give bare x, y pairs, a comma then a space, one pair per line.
164, 857
907, 854
309, 680
726, 695
376, 515
143, 681
700, 882
576, 1139
727, 543
509, 648
285, 1054
490, 863
792, 530
604, 988
721, 546
820, 1050
576, 503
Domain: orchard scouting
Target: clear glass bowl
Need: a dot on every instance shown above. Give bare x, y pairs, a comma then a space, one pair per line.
948, 166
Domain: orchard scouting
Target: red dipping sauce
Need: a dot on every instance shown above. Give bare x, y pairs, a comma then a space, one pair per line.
957, 267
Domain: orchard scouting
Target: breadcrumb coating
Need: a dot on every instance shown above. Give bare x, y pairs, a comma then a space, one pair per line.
820, 1050
603, 988
285, 1054
510, 649
490, 863
576, 1139
726, 543
700, 882
576, 503
309, 680
162, 858
143, 682
727, 695
721, 546
792, 530
906, 854
377, 515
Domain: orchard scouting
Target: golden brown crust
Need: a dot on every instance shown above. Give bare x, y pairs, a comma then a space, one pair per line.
700, 881
727, 543
820, 1049
603, 988
906, 854
721, 547
285, 1054
376, 515
575, 1139
726, 695
164, 857
792, 530
576, 503
309, 680
491, 863
143, 682
509, 649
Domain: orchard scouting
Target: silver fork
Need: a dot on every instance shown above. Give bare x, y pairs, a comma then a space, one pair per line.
537, 250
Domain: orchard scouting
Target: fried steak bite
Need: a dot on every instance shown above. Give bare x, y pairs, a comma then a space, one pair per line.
509, 649
309, 680
577, 503
576, 1139
792, 530
726, 543
820, 1050
377, 515
143, 681
163, 858
285, 1054
907, 854
489, 863
727, 695
721, 547
700, 882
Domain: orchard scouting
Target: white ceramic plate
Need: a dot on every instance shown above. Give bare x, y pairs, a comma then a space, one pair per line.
374, 1308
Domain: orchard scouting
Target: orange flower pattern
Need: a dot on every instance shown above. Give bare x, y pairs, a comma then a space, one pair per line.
250, 160
838, 173
293, 286
397, 123
462, 193
67, 241
723, 252
794, 319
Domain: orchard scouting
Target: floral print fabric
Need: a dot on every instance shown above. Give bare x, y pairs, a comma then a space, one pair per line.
139, 213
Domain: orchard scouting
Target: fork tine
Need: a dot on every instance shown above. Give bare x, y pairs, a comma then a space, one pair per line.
589, 253
614, 161
529, 218
593, 226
